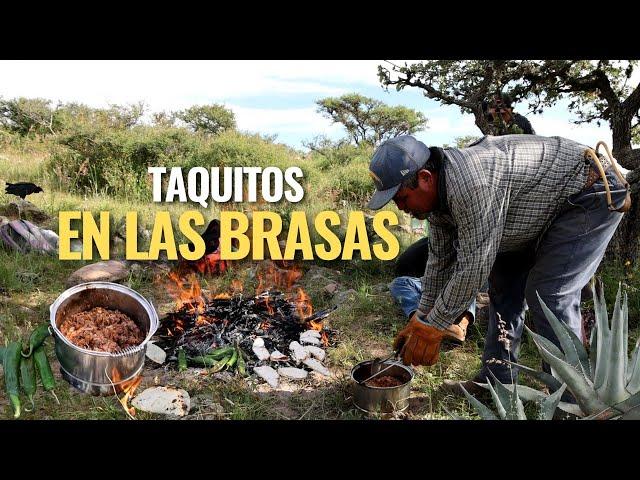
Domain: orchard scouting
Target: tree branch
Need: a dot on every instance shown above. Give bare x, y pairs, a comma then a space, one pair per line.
633, 101
430, 91
628, 158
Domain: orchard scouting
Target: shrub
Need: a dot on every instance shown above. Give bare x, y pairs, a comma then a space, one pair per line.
115, 162
352, 183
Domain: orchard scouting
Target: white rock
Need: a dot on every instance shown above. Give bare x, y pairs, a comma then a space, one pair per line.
108, 271
311, 333
316, 352
259, 349
315, 365
309, 339
269, 374
164, 400
292, 373
298, 353
277, 356
156, 354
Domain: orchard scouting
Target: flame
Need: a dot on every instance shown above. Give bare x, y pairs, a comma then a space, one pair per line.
264, 300
319, 325
222, 296
128, 388
179, 325
303, 305
270, 309
202, 320
272, 277
187, 292
315, 325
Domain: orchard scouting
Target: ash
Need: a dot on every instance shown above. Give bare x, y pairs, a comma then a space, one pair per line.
238, 320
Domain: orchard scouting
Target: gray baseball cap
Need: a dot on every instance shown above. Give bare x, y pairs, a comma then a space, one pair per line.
391, 163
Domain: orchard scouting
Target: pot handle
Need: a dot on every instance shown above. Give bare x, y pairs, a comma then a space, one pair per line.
50, 314
158, 322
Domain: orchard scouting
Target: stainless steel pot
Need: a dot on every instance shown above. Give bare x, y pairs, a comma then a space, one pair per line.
381, 399
97, 373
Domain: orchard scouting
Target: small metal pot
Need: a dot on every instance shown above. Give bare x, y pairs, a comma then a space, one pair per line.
97, 373
381, 399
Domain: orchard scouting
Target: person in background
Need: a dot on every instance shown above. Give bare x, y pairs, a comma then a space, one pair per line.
498, 111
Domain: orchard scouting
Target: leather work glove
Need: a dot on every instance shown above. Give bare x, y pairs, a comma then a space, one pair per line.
418, 343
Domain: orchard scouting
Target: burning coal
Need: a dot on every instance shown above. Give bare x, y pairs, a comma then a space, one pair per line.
200, 324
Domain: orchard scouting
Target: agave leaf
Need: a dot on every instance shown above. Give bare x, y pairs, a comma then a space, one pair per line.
592, 339
548, 345
603, 331
519, 406
593, 352
576, 382
631, 403
633, 414
507, 397
571, 408
625, 329
633, 371
484, 411
613, 390
574, 352
608, 414
502, 411
527, 394
549, 404
546, 378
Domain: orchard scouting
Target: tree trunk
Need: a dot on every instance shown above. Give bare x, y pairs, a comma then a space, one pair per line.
625, 244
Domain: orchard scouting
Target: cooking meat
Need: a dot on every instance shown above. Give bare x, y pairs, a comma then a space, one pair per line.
102, 330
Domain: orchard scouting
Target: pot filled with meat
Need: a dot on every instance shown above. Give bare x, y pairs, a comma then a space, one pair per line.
101, 333
385, 393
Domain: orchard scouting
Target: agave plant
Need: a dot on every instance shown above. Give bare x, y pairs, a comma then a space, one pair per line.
509, 405
605, 382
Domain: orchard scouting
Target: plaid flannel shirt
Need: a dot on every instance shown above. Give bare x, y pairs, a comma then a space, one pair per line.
501, 195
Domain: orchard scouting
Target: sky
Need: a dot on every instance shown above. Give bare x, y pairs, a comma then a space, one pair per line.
267, 97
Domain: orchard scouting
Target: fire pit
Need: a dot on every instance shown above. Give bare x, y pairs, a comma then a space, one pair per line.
275, 331
95, 372
240, 319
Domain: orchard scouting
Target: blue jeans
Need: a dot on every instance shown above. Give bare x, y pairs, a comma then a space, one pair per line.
407, 292
564, 261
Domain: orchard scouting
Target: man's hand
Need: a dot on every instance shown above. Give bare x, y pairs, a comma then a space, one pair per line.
418, 343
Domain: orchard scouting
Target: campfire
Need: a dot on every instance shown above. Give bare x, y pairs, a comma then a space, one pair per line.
276, 326
128, 388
